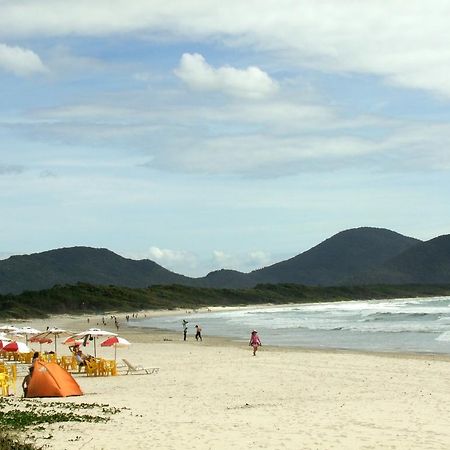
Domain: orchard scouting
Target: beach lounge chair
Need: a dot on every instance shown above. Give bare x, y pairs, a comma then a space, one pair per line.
139, 369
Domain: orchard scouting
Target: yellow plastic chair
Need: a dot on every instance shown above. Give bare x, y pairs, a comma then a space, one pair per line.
66, 362
91, 368
107, 367
4, 384
28, 357
12, 375
73, 363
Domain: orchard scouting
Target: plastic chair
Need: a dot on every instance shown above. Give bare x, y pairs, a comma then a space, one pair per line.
139, 369
91, 368
4, 384
108, 367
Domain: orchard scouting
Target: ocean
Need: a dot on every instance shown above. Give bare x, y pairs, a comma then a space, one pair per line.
404, 325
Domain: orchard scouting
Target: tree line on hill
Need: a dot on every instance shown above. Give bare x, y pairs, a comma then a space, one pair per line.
85, 298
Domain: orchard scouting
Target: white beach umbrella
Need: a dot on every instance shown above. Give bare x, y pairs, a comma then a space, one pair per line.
26, 331
8, 328
55, 332
92, 335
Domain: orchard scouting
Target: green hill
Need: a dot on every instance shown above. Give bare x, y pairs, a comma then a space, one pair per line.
357, 256
338, 258
425, 263
80, 264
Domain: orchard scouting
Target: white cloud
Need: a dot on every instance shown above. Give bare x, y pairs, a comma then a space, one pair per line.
173, 259
406, 43
199, 75
244, 262
20, 61
262, 154
61, 59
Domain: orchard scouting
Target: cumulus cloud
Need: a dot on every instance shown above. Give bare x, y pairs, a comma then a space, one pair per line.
244, 262
20, 61
177, 260
199, 75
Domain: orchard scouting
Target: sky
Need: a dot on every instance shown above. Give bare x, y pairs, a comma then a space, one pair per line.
206, 135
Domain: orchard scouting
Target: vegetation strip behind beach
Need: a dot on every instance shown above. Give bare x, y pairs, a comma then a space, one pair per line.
85, 298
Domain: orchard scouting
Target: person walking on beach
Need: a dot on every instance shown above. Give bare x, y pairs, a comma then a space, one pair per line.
198, 333
185, 322
255, 341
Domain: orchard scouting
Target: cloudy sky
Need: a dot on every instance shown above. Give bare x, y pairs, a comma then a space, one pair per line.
205, 134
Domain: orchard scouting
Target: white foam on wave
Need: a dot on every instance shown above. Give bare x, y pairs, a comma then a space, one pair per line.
445, 337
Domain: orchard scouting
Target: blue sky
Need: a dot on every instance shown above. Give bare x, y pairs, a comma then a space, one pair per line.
204, 135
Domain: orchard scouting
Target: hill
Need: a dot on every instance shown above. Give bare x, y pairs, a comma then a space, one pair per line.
80, 264
356, 256
339, 258
425, 263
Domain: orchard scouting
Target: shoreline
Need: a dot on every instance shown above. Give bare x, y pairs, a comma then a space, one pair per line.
215, 394
153, 333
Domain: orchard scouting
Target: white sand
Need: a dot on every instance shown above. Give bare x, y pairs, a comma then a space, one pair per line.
215, 395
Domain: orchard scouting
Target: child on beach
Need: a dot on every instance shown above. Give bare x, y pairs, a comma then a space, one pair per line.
255, 342
26, 381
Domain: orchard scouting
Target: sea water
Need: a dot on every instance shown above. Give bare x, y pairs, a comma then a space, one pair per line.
405, 325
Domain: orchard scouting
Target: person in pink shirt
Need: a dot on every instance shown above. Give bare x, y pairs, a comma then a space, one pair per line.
255, 342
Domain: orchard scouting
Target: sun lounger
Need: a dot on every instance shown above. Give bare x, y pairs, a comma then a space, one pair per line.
139, 369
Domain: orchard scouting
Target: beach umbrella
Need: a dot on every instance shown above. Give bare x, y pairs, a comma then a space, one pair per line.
8, 328
4, 341
53, 333
115, 341
40, 340
72, 341
19, 347
92, 335
26, 331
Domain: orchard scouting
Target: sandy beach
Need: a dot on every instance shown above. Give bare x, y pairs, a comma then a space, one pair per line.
215, 395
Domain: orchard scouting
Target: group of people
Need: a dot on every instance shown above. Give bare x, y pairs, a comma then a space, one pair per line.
255, 341
80, 356
198, 331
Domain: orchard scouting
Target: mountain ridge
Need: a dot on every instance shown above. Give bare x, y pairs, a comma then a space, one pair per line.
363, 255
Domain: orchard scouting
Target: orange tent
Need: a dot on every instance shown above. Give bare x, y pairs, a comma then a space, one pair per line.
51, 380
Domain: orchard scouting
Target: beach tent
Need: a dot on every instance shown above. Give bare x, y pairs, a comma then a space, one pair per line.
51, 380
